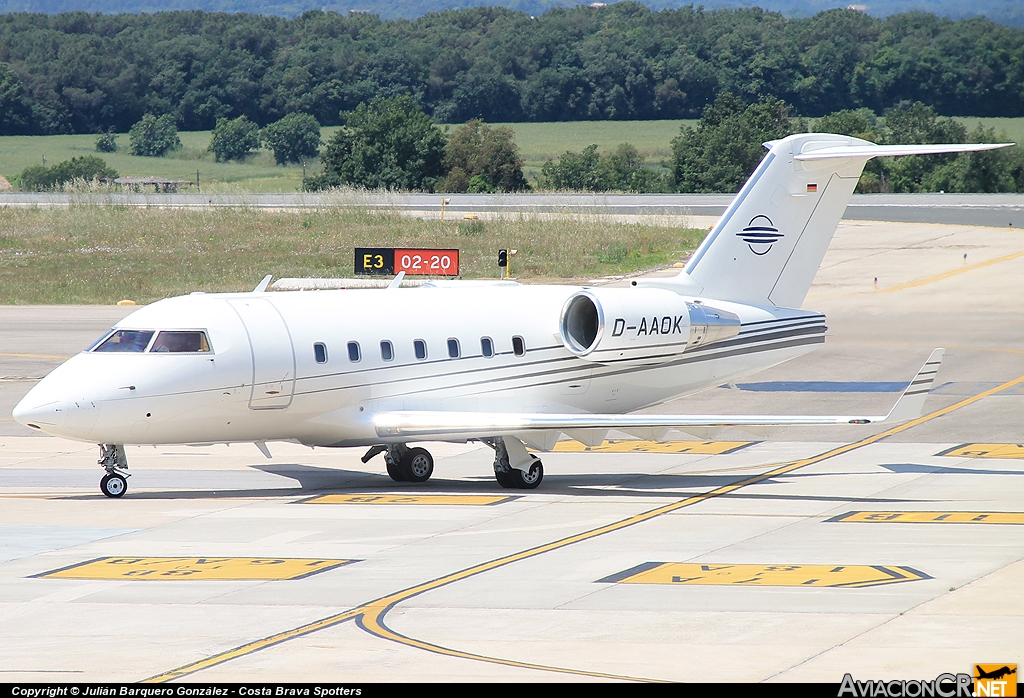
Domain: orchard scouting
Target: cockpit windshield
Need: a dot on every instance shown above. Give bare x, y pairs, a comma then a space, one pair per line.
126, 340
178, 342
166, 342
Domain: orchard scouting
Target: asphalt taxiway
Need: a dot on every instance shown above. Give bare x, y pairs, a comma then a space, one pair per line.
798, 555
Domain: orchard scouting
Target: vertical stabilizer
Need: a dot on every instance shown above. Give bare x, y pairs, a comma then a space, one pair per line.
767, 246
769, 243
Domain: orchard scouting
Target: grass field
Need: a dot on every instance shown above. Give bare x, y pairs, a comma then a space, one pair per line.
258, 174
540, 142
537, 143
102, 254
1013, 129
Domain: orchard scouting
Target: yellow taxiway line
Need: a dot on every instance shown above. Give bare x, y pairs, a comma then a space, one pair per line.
951, 273
36, 356
371, 616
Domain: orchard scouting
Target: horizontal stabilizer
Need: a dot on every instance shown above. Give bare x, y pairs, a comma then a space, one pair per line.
881, 151
454, 425
911, 402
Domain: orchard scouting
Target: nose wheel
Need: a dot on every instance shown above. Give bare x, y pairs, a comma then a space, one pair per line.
114, 485
115, 482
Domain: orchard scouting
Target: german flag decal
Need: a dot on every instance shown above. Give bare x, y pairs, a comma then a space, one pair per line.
812, 187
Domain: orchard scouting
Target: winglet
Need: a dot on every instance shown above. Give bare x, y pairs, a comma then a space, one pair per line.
911, 403
397, 281
262, 286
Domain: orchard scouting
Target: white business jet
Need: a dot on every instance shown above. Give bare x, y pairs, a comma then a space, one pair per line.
507, 365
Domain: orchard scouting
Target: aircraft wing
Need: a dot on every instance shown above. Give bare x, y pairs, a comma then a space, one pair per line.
424, 424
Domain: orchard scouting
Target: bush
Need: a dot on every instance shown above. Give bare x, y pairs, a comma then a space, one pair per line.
725, 148
481, 158
106, 143
154, 136
87, 168
389, 143
293, 138
234, 139
574, 171
622, 170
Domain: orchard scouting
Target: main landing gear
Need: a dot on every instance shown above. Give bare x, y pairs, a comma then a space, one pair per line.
404, 464
514, 467
115, 482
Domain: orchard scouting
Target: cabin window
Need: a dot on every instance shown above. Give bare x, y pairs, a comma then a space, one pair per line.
353, 352
453, 348
176, 342
486, 347
387, 352
518, 346
320, 352
126, 340
420, 347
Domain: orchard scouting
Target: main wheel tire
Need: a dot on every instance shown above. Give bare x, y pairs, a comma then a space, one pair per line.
528, 480
417, 465
113, 485
394, 470
504, 479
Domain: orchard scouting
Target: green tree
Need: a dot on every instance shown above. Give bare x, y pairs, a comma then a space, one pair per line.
621, 170
574, 171
482, 158
293, 138
154, 136
234, 139
724, 149
389, 143
15, 109
107, 143
918, 123
860, 123
86, 168
625, 171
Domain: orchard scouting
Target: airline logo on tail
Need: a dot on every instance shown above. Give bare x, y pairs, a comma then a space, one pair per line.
760, 234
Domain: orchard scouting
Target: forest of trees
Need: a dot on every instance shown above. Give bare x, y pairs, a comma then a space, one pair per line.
81, 73
1003, 11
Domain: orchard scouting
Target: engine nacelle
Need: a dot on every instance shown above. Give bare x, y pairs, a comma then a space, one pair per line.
638, 326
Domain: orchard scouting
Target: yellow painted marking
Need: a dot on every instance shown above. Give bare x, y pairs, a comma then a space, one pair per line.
173, 568
846, 576
36, 356
371, 615
436, 499
713, 448
988, 517
951, 273
986, 451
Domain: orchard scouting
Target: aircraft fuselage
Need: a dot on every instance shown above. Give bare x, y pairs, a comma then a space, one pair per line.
313, 367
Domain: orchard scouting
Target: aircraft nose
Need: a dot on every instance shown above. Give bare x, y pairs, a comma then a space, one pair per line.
38, 412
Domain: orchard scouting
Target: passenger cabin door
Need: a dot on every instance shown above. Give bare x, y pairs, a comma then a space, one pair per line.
273, 355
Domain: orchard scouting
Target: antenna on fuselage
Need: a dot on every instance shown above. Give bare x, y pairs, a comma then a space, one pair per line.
261, 287
397, 281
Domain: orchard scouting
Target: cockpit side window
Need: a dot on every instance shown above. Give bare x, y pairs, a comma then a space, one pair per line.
181, 342
126, 341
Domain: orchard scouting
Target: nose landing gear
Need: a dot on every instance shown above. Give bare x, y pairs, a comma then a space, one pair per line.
115, 482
